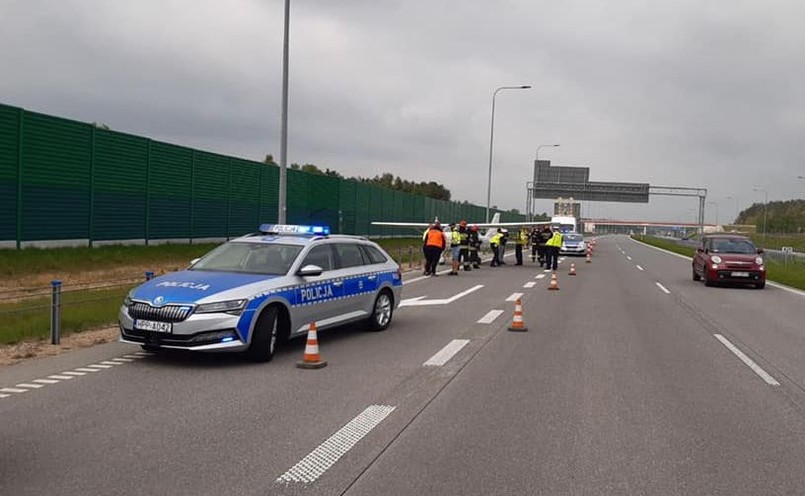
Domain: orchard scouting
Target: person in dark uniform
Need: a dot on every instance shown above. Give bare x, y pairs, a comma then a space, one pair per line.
474, 245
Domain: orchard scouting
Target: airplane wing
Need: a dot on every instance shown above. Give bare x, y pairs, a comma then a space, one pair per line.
514, 224
401, 224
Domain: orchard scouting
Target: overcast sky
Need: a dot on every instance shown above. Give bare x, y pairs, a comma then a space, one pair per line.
672, 93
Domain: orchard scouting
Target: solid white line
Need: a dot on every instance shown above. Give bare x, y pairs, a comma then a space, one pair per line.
13, 390
639, 267
124, 360
529, 284
60, 377
662, 288
446, 353
107, 362
99, 366
322, 458
30, 386
45, 381
84, 369
74, 373
514, 297
540, 276
490, 317
748, 361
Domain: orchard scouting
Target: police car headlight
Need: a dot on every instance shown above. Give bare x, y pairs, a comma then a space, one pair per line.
127, 302
234, 307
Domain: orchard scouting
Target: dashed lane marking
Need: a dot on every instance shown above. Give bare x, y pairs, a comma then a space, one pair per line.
628, 257
45, 381
109, 362
60, 377
85, 369
529, 284
490, 317
330, 451
748, 361
540, 276
30, 386
446, 353
639, 267
122, 360
663, 288
77, 374
514, 297
13, 390
99, 366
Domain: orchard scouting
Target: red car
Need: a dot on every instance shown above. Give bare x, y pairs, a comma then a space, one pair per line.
728, 258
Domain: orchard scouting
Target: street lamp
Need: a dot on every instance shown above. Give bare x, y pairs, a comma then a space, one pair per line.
281, 201
765, 212
491, 141
736, 207
528, 211
542, 146
716, 205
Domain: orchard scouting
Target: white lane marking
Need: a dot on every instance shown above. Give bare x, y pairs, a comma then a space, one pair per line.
628, 257
4, 395
84, 369
446, 353
30, 386
74, 373
418, 302
13, 390
134, 356
108, 362
99, 366
514, 297
662, 288
748, 361
639, 267
60, 377
540, 276
322, 458
490, 317
122, 360
45, 381
529, 284
143, 353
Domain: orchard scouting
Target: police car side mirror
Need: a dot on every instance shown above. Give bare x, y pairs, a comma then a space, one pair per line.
310, 270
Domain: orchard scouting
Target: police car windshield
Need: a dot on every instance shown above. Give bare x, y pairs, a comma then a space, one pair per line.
573, 237
250, 258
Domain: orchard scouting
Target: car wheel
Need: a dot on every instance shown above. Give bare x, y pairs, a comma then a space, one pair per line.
382, 311
760, 285
266, 335
696, 277
706, 278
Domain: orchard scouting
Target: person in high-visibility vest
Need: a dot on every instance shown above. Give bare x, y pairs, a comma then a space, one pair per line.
520, 240
552, 249
455, 249
494, 243
433, 246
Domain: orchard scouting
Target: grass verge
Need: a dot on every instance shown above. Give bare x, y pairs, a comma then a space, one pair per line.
791, 273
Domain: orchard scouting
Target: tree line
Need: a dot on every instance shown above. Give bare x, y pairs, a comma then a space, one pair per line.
783, 216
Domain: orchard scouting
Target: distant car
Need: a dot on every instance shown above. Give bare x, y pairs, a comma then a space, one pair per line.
728, 258
573, 244
256, 290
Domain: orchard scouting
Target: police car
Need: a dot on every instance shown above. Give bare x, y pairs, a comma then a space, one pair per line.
254, 291
572, 244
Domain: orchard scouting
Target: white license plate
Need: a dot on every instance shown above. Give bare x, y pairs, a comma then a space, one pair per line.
150, 325
740, 274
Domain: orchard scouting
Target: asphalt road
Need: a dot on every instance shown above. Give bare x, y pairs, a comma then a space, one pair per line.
632, 379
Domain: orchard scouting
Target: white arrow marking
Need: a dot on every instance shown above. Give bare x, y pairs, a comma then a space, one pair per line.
419, 301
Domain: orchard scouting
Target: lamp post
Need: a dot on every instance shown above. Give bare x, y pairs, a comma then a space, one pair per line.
281, 201
736, 207
529, 215
491, 142
716, 205
765, 212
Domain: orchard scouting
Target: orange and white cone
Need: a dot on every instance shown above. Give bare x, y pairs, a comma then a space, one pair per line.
572, 269
554, 286
311, 359
589, 258
517, 321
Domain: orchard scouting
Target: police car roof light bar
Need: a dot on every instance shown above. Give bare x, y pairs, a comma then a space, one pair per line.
295, 229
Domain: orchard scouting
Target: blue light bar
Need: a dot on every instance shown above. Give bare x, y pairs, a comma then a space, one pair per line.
295, 229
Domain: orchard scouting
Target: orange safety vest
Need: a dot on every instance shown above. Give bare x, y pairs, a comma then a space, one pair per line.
435, 238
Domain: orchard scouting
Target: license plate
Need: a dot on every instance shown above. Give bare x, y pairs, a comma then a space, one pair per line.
740, 274
150, 325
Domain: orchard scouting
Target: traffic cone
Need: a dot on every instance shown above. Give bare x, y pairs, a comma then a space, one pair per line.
311, 359
589, 258
517, 321
572, 269
554, 286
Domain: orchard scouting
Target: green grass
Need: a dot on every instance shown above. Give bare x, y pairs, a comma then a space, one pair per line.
791, 273
777, 241
80, 310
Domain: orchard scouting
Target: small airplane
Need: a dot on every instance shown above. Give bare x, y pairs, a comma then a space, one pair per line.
492, 227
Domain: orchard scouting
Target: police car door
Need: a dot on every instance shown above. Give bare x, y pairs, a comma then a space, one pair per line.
359, 282
318, 298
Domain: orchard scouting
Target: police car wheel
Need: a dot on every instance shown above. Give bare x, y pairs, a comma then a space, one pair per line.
382, 312
266, 336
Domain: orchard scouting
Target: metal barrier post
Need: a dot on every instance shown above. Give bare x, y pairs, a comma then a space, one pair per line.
399, 255
410, 257
55, 312
149, 275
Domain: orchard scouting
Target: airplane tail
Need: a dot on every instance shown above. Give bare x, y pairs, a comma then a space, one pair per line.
495, 218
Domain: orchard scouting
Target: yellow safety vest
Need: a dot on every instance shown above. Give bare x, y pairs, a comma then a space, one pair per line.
556, 240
